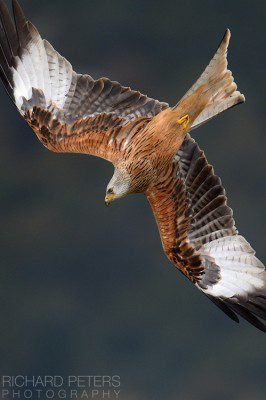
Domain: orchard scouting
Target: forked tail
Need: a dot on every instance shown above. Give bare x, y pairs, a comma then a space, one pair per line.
215, 91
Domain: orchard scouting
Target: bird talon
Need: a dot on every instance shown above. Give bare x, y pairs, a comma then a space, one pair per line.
184, 121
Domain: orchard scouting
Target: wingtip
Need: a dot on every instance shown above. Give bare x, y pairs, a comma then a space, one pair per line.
15, 3
17, 10
246, 314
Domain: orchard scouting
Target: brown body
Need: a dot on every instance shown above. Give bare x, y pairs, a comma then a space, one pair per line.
149, 146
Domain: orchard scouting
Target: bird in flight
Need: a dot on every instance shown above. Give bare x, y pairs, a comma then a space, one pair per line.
149, 144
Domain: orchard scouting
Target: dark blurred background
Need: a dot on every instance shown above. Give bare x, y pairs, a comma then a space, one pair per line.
87, 290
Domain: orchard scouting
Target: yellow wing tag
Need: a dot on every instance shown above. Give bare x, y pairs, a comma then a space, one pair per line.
184, 121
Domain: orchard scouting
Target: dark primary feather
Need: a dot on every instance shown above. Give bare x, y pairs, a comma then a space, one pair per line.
244, 312
221, 304
8, 48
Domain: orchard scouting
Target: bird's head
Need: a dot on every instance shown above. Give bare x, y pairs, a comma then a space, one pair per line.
118, 186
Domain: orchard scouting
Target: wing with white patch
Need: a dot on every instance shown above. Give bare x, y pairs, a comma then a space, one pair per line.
199, 236
57, 102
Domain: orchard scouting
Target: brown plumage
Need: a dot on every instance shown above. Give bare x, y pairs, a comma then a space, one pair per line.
152, 152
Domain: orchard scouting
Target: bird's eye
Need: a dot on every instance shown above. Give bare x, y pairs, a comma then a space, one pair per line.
110, 191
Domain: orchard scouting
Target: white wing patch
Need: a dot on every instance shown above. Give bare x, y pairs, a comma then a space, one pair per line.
241, 274
43, 68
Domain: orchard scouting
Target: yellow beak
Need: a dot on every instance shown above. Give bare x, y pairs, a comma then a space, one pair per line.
109, 198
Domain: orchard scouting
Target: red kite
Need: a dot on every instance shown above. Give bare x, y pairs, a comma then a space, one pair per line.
149, 144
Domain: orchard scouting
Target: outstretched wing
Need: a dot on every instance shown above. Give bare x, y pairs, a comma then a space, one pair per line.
68, 112
199, 236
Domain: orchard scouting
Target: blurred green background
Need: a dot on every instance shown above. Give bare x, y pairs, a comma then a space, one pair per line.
86, 289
